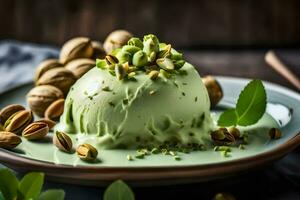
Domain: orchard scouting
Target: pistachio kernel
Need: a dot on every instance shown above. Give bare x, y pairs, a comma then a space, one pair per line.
87, 152
165, 63
153, 75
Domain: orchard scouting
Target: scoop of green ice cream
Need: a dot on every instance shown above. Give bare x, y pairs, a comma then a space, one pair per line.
143, 112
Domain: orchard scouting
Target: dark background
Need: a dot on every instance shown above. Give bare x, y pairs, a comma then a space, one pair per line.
186, 24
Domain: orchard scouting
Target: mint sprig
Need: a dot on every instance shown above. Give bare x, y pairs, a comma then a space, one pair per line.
118, 190
250, 107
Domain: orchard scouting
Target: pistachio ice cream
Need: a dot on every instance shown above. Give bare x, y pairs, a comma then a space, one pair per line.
145, 95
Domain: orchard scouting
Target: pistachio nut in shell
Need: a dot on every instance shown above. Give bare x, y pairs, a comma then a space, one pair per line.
80, 66
55, 110
62, 141
45, 66
98, 50
9, 140
116, 39
49, 122
40, 97
35, 131
79, 47
8, 111
61, 78
214, 90
18, 121
87, 152
275, 133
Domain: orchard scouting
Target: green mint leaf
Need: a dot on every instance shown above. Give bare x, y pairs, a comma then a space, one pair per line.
228, 118
250, 107
30, 186
52, 194
251, 104
118, 190
8, 184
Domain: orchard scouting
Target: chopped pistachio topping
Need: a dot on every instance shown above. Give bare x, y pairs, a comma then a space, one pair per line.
152, 92
138, 55
129, 157
177, 158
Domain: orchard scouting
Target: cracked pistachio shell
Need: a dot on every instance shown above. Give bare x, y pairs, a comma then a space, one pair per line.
45, 66
116, 39
80, 66
62, 141
214, 90
275, 133
9, 140
8, 111
18, 121
35, 131
79, 47
55, 110
39, 98
98, 50
49, 122
61, 78
87, 152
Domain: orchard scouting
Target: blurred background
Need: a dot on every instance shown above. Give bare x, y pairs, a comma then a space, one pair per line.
186, 24
226, 37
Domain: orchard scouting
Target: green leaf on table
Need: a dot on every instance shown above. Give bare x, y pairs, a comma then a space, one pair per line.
1, 196
8, 184
118, 190
250, 107
52, 194
30, 186
228, 118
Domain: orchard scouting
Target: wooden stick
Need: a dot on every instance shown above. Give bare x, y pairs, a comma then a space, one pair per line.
272, 59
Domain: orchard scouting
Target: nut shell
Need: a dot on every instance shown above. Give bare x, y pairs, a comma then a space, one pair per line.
98, 50
9, 140
40, 97
62, 141
214, 90
18, 121
79, 47
55, 110
87, 152
8, 111
45, 66
49, 122
35, 131
61, 78
116, 39
80, 66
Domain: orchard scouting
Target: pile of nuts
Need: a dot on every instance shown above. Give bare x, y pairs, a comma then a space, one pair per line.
53, 80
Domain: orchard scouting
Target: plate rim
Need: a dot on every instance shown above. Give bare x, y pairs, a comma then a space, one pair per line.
142, 173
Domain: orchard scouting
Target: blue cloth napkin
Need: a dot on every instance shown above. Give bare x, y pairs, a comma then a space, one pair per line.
19, 60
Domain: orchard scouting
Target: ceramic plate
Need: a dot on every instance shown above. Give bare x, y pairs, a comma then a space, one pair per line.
160, 169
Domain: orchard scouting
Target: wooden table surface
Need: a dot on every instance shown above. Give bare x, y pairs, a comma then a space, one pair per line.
243, 63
